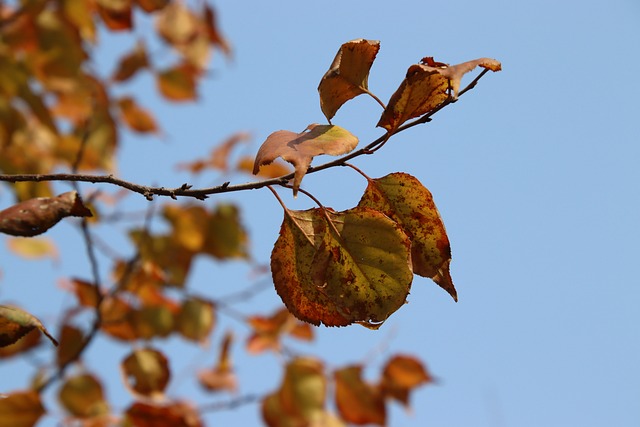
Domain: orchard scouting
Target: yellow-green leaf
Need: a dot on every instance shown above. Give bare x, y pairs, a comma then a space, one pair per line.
341, 268
404, 199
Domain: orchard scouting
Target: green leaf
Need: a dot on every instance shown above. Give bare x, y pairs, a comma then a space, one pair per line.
404, 199
341, 268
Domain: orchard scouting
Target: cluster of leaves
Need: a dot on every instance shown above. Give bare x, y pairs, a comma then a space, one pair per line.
334, 268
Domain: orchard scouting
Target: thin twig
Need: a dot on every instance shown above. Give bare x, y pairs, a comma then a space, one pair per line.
186, 190
230, 404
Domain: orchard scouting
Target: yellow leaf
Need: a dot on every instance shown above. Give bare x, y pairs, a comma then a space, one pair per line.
33, 248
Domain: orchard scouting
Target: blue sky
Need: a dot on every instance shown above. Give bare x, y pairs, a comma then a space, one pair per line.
534, 172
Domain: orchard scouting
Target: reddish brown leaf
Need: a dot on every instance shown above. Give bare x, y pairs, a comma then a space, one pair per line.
35, 216
178, 83
348, 75
299, 149
71, 339
213, 33
136, 117
404, 199
221, 377
116, 14
16, 323
146, 371
131, 63
176, 414
358, 402
83, 290
401, 375
21, 409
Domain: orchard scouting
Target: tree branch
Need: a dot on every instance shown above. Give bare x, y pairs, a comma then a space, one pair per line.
185, 190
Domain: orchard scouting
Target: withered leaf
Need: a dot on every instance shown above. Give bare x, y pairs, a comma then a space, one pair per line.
16, 323
349, 267
299, 149
425, 87
35, 216
175, 414
131, 63
23, 345
21, 409
404, 199
146, 371
358, 402
152, 5
348, 75
178, 83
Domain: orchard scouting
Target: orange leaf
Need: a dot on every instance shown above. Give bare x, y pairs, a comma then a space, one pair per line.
35, 216
299, 149
348, 75
82, 396
273, 170
404, 199
16, 323
21, 409
137, 118
269, 330
71, 339
152, 5
146, 372
358, 402
176, 414
212, 30
401, 375
177, 83
221, 377
131, 63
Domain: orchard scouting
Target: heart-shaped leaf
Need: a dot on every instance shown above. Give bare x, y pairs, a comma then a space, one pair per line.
348, 75
299, 149
341, 268
404, 199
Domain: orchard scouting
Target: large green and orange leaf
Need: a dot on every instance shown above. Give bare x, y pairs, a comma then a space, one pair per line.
341, 268
348, 75
404, 199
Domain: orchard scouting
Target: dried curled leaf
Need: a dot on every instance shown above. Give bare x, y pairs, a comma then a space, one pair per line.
348, 75
299, 149
35, 216
341, 268
404, 199
425, 87
16, 323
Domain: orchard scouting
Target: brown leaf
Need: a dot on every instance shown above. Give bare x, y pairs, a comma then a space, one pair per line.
358, 402
116, 14
425, 87
152, 5
213, 33
404, 199
82, 396
146, 372
21, 409
299, 149
178, 83
131, 63
348, 75
221, 377
83, 290
28, 342
401, 375
273, 170
116, 319
136, 117
16, 323
35, 216
354, 269
71, 339
175, 414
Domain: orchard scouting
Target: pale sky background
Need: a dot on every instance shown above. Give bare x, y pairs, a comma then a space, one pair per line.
534, 172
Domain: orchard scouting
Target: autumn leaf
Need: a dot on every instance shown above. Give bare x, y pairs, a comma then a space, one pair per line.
425, 87
16, 323
136, 117
404, 199
116, 14
82, 396
358, 402
268, 331
152, 5
221, 377
401, 375
274, 169
341, 268
174, 414
28, 342
146, 371
348, 75
21, 409
131, 63
196, 319
176, 24
35, 216
299, 149
219, 157
178, 83
211, 26
71, 342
